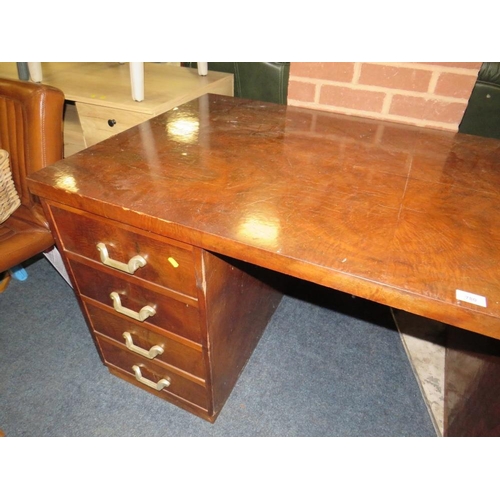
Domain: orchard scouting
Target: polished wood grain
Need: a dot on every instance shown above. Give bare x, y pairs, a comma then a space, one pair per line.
168, 263
400, 215
178, 354
180, 387
172, 313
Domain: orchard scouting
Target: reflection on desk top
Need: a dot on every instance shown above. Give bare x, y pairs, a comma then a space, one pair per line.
401, 215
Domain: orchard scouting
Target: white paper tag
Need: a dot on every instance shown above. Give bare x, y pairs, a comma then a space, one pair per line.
471, 298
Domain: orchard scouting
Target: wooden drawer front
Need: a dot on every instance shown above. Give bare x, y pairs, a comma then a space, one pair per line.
173, 315
179, 386
101, 122
188, 359
167, 264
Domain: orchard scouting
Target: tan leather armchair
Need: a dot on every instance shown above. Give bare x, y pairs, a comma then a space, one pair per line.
31, 130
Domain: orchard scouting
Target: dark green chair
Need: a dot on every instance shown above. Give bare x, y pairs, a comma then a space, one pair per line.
482, 115
262, 81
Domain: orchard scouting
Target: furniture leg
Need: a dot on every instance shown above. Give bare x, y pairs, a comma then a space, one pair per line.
203, 68
137, 80
23, 71
36, 71
472, 392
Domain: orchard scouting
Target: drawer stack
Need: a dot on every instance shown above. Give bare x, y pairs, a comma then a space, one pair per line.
173, 319
144, 316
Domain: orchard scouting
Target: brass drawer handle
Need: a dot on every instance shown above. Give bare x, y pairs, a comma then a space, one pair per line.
161, 384
156, 350
142, 315
131, 267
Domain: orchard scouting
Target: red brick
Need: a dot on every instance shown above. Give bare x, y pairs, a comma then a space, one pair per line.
301, 91
394, 77
453, 85
339, 72
427, 109
345, 97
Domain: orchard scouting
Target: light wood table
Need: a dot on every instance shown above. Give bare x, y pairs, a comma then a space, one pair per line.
101, 92
136, 76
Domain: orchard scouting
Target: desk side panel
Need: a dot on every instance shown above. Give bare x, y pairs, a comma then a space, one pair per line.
472, 393
240, 301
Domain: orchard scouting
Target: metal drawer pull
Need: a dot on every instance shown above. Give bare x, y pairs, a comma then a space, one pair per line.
161, 384
156, 350
131, 267
142, 315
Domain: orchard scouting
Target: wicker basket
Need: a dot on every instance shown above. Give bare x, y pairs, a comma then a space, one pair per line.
9, 199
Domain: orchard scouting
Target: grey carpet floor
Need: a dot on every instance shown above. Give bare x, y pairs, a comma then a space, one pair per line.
332, 366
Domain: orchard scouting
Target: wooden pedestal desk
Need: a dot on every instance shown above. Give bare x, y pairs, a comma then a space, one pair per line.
169, 231
101, 92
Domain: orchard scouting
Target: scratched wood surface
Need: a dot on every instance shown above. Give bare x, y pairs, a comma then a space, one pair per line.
400, 215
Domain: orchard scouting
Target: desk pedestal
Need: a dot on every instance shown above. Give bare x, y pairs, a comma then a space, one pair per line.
472, 392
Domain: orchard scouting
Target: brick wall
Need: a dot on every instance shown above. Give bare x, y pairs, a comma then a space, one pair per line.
425, 94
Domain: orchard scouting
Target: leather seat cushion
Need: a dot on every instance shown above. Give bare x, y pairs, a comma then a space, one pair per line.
22, 235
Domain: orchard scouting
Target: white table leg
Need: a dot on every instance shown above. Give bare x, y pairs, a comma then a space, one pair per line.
35, 71
202, 69
137, 80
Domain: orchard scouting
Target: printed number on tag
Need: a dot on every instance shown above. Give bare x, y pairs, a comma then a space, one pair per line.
471, 298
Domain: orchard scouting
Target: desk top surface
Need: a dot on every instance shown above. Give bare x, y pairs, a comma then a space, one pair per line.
401, 215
